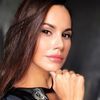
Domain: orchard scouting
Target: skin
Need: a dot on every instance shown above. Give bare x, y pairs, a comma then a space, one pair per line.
52, 49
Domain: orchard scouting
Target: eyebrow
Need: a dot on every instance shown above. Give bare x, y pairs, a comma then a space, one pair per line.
49, 25
52, 26
68, 29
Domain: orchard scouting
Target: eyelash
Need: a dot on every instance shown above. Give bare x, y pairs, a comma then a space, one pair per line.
65, 35
46, 32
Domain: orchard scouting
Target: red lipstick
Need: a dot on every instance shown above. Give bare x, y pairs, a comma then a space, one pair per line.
56, 58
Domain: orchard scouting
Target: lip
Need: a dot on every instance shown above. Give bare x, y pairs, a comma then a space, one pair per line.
56, 58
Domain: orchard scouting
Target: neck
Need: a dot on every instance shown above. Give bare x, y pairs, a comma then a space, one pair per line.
35, 77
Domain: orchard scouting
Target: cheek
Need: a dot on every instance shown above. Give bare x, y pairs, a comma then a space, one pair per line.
41, 48
43, 45
67, 48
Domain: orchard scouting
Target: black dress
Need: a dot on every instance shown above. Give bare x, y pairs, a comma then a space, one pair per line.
27, 94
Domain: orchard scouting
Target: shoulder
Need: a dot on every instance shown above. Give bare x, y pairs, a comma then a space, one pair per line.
16, 94
11, 97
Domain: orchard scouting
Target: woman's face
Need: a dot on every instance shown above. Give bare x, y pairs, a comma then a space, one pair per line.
54, 40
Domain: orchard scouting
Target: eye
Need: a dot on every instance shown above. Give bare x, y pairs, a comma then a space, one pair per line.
67, 35
47, 32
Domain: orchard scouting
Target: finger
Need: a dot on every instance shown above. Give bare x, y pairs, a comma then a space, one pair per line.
66, 74
72, 84
53, 74
65, 71
80, 87
59, 72
71, 72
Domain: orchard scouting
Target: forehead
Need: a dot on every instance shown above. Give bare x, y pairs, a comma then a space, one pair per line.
58, 15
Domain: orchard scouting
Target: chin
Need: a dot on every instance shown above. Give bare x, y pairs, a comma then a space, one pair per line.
53, 68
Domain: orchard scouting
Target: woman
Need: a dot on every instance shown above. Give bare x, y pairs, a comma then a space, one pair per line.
36, 47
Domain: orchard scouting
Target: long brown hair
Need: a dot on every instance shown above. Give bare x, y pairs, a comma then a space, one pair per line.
21, 40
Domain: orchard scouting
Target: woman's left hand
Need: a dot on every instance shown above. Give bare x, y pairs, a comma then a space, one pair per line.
68, 85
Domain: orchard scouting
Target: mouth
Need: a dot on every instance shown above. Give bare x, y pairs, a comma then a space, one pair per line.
56, 58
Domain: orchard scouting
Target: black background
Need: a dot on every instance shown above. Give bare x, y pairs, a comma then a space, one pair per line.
85, 52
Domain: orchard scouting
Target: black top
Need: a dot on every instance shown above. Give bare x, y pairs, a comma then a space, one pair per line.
27, 94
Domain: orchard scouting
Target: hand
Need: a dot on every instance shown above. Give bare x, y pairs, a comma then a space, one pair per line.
68, 85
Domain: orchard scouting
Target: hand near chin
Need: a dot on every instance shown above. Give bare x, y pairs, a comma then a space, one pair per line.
68, 85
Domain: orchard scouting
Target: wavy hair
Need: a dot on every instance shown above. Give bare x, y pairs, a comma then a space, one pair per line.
21, 39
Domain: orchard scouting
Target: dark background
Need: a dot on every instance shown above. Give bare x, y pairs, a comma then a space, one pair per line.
84, 57
85, 52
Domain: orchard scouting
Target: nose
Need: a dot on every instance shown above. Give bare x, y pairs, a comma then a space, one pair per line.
58, 43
